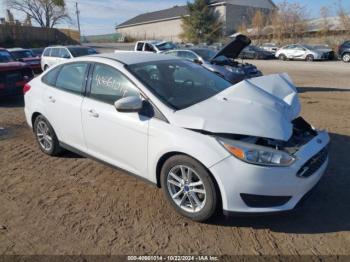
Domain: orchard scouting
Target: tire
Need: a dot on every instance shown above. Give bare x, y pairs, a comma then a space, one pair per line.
198, 206
282, 57
309, 58
346, 57
46, 137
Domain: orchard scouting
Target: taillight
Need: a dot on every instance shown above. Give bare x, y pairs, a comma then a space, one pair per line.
26, 88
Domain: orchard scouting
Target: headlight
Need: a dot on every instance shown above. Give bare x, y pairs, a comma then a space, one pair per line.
235, 70
257, 155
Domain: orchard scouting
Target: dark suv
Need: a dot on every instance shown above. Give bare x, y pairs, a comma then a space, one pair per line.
344, 51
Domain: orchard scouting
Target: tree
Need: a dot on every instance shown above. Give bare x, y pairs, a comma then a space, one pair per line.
289, 20
344, 16
47, 13
258, 23
202, 24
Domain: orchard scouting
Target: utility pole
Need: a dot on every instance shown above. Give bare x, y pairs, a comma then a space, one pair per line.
78, 13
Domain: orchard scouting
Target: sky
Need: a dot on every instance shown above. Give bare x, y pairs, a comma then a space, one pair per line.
101, 16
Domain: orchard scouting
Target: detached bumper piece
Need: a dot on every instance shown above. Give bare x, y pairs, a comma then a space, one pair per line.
264, 201
311, 166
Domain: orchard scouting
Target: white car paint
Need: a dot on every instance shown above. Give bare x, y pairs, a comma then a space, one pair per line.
299, 52
263, 107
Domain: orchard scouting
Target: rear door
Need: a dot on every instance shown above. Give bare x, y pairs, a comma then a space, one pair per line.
117, 138
63, 102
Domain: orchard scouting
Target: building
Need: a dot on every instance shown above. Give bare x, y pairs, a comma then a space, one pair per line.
166, 24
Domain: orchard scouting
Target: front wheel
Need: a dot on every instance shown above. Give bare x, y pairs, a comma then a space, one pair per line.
189, 188
346, 57
282, 57
309, 58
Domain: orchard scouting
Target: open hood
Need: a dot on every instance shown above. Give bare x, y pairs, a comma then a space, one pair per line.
261, 107
234, 48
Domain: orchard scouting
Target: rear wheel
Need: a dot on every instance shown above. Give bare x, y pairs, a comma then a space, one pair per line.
282, 57
189, 188
310, 58
46, 137
346, 57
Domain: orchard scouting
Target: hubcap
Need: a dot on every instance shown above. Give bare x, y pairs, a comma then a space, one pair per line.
44, 136
186, 188
346, 58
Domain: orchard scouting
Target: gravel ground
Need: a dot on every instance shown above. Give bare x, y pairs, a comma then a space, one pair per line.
73, 205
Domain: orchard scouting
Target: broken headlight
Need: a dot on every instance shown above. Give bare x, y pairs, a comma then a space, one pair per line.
257, 155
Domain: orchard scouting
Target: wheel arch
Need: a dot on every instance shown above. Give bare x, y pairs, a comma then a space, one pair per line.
34, 117
168, 155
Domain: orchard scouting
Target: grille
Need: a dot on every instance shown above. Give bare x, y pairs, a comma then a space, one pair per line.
313, 164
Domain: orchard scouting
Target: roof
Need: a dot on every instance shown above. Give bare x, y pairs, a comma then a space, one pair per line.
179, 11
16, 49
133, 57
170, 13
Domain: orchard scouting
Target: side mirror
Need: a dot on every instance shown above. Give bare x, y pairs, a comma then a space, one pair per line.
197, 61
129, 104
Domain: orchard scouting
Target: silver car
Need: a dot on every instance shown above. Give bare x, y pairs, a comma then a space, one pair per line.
301, 52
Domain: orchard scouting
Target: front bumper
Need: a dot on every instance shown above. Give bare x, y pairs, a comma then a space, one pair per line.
279, 185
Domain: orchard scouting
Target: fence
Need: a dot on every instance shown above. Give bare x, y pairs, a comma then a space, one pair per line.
28, 36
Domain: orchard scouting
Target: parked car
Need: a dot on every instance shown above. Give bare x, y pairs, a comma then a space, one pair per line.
325, 49
222, 62
57, 54
255, 52
27, 56
302, 52
205, 142
154, 46
270, 47
344, 51
13, 75
37, 51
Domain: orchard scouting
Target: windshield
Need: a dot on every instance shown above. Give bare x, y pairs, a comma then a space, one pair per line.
166, 46
81, 51
22, 54
179, 83
5, 57
206, 54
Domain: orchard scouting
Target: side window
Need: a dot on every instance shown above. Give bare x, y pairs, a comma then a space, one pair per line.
173, 53
109, 85
55, 52
50, 77
139, 46
71, 77
64, 53
187, 55
47, 52
149, 48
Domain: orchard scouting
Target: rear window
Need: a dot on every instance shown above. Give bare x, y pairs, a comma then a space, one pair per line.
139, 46
81, 51
5, 57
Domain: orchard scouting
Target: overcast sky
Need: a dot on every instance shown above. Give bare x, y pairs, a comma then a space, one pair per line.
101, 16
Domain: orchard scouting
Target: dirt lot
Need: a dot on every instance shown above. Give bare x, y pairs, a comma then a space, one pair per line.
73, 205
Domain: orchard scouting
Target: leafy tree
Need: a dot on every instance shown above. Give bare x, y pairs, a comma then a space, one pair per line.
47, 13
202, 24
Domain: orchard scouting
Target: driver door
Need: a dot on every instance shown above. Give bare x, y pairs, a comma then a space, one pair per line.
119, 139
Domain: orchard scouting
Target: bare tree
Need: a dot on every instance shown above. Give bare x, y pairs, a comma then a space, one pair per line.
343, 15
325, 24
258, 23
289, 20
47, 13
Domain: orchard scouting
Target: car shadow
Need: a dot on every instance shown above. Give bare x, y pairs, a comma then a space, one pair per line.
12, 101
321, 89
326, 210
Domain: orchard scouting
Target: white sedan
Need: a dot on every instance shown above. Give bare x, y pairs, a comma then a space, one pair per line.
302, 52
209, 145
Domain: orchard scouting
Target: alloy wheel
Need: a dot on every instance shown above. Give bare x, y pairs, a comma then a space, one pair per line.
186, 188
346, 58
44, 135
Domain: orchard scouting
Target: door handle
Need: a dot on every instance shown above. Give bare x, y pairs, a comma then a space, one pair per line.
53, 100
93, 113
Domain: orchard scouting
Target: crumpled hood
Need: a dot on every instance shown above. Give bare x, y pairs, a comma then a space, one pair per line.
261, 107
